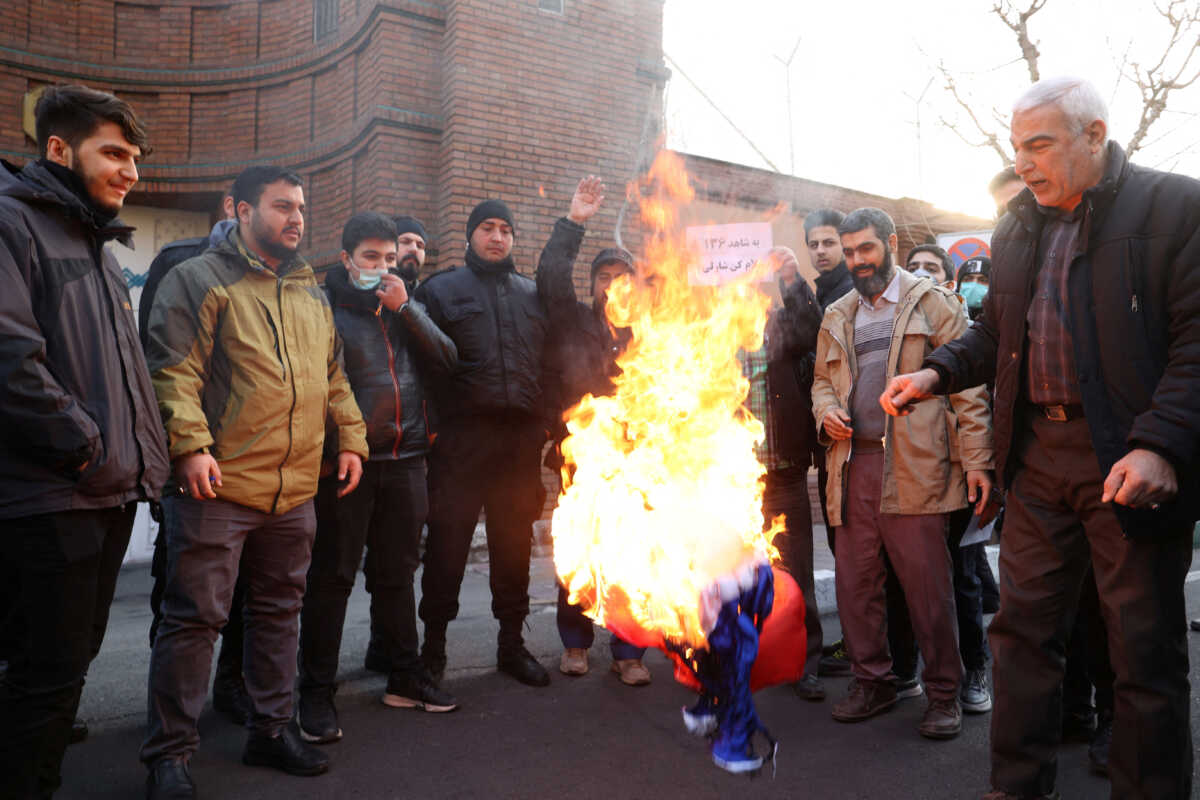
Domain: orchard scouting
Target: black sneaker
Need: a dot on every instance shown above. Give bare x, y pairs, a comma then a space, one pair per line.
810, 688
170, 779
317, 716
835, 662
418, 691
230, 697
286, 752
517, 662
908, 687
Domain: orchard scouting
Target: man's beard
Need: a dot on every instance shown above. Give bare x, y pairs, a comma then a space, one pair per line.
105, 209
275, 248
874, 284
408, 269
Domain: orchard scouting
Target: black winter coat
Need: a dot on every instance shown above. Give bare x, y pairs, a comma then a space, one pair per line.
497, 321
73, 382
384, 356
582, 350
1134, 317
832, 285
791, 345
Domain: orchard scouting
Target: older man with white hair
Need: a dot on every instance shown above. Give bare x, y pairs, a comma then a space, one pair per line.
1091, 330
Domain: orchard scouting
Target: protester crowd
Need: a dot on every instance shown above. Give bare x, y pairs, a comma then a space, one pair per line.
287, 433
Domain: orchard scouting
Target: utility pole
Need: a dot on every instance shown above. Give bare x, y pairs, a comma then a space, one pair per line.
787, 75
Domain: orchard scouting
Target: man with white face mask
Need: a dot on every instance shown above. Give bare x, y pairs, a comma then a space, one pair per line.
387, 341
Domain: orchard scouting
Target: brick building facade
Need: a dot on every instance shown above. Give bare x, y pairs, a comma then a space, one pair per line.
413, 106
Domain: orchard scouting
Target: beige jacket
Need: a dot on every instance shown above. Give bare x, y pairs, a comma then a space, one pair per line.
927, 452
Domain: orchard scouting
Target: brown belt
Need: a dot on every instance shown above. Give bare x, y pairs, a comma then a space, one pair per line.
1063, 413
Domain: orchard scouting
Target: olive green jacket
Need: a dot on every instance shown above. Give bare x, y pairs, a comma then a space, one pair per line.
928, 451
246, 363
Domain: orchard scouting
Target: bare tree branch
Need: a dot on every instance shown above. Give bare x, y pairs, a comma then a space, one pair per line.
990, 139
1157, 82
1018, 21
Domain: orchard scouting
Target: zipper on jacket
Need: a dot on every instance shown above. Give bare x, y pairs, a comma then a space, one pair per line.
1133, 303
395, 385
282, 348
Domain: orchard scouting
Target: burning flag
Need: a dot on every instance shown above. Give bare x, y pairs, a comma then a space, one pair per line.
659, 532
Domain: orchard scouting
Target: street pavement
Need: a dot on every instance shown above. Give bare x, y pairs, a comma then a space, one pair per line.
587, 737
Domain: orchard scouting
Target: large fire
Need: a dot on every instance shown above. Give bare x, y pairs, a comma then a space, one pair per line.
662, 496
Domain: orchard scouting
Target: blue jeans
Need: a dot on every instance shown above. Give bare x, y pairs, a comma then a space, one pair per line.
576, 630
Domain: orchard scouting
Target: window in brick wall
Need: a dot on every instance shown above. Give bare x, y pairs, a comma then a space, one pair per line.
325, 18
551, 5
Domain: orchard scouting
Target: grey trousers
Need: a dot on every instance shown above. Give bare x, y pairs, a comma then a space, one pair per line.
916, 546
205, 541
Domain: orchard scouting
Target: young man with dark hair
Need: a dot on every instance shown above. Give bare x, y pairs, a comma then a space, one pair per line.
1003, 187
825, 253
882, 495
934, 261
246, 365
490, 434
83, 442
387, 341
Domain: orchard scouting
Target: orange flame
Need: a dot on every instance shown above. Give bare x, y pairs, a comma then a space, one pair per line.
666, 497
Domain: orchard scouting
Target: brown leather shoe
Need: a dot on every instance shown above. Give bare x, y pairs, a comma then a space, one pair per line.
942, 720
864, 700
632, 671
574, 661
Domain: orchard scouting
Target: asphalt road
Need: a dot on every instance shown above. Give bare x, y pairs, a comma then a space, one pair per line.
587, 737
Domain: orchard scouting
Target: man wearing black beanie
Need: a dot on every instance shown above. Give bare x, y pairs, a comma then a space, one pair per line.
410, 256
490, 434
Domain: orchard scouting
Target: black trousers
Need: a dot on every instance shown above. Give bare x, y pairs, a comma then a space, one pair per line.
494, 465
65, 565
385, 515
968, 592
786, 492
1055, 526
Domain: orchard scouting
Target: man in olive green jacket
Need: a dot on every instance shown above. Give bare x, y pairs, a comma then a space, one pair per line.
244, 358
891, 482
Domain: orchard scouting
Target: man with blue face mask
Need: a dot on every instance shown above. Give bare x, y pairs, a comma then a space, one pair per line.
388, 343
972, 284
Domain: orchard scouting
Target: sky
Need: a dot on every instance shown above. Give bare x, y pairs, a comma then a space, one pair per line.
864, 111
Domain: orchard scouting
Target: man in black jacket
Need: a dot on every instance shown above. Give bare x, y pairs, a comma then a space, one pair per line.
1091, 330
490, 434
780, 375
83, 442
825, 253
582, 359
386, 338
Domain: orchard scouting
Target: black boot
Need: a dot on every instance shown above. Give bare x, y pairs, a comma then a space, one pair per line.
170, 779
512, 658
317, 716
286, 752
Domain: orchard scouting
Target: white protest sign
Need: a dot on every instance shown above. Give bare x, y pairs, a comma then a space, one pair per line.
727, 252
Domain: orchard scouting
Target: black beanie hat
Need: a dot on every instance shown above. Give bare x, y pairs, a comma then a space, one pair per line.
980, 265
612, 255
489, 209
406, 224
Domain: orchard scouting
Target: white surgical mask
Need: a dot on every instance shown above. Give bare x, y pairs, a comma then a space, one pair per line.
367, 278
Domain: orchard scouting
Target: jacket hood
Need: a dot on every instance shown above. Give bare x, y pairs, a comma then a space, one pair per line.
33, 183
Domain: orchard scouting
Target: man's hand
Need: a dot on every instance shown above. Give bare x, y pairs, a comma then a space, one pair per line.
1142, 479
979, 491
349, 471
837, 425
392, 292
589, 196
904, 389
196, 475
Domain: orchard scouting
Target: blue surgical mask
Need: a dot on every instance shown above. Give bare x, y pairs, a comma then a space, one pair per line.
973, 293
367, 279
